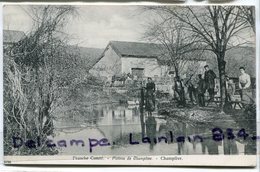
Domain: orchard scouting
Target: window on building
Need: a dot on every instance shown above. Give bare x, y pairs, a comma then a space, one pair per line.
138, 72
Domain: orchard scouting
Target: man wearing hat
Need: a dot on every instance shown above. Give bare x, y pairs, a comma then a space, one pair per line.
209, 77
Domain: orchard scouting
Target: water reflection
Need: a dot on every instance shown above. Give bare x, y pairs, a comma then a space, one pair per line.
230, 147
116, 122
150, 126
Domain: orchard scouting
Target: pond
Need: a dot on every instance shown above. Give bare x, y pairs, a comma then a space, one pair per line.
156, 134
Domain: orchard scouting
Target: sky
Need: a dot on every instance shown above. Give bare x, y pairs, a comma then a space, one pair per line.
94, 26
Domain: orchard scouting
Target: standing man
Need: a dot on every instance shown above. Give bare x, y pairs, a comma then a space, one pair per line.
244, 86
150, 96
201, 90
191, 90
209, 78
231, 88
179, 89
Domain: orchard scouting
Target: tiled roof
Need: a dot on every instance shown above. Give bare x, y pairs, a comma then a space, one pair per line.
136, 49
11, 36
145, 50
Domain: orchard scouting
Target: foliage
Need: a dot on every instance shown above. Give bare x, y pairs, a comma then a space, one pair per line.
39, 75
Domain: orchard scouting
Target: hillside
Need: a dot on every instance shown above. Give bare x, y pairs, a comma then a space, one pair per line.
88, 55
235, 58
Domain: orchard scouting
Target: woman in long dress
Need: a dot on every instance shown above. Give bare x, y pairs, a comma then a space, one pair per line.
245, 87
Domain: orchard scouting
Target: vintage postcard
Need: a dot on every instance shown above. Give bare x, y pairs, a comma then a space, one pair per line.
160, 85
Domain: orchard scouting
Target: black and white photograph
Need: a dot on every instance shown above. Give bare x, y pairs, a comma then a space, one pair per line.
129, 82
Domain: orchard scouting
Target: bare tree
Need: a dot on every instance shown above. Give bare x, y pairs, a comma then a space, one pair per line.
175, 44
216, 26
248, 13
37, 71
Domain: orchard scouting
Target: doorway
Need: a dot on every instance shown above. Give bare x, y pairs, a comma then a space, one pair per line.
138, 72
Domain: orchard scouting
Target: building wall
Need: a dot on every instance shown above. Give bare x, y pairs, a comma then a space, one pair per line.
107, 66
150, 65
111, 64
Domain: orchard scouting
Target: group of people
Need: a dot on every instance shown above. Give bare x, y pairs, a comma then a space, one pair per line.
197, 87
208, 84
